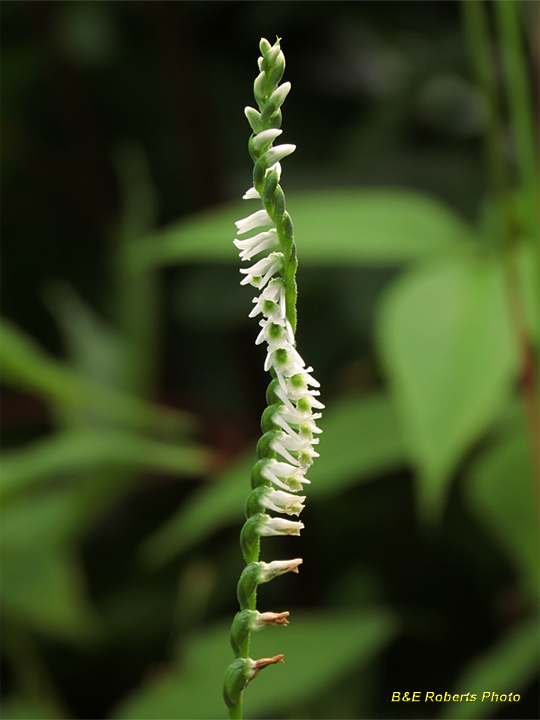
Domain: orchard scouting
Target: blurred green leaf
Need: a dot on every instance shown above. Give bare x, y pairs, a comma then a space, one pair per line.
43, 588
332, 227
37, 520
445, 339
502, 492
360, 439
17, 707
319, 650
527, 265
24, 364
90, 450
508, 667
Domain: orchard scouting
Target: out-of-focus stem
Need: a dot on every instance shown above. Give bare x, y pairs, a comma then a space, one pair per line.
477, 30
520, 106
32, 675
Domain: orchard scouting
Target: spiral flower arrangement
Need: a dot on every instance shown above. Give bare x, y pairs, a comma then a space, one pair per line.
286, 448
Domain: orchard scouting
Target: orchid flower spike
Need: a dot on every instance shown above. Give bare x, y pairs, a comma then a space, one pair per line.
289, 423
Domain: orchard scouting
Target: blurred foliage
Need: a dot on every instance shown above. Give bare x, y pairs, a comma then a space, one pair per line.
132, 398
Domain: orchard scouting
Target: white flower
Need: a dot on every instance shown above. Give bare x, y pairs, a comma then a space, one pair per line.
278, 153
305, 431
265, 137
271, 302
251, 194
297, 415
268, 571
255, 220
288, 477
260, 273
279, 501
286, 361
277, 333
303, 448
267, 240
296, 385
279, 526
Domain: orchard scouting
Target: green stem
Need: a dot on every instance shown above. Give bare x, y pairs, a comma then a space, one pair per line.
477, 30
520, 105
235, 713
522, 119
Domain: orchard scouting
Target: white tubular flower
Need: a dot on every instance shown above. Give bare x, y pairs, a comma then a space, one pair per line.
278, 447
305, 430
305, 453
283, 502
286, 361
253, 246
265, 138
279, 152
296, 415
268, 571
251, 194
279, 526
283, 475
271, 302
259, 274
295, 386
255, 220
277, 333
277, 168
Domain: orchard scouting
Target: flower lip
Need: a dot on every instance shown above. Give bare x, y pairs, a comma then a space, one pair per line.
255, 220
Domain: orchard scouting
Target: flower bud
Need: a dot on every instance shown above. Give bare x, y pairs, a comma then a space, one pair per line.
277, 98
264, 138
276, 73
260, 89
254, 119
275, 154
264, 46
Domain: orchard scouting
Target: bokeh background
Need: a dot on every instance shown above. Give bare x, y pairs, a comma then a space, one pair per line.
133, 389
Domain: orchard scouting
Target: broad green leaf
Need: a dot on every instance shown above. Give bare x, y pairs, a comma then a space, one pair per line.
319, 650
43, 588
501, 490
506, 668
360, 439
446, 342
24, 364
332, 227
90, 450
